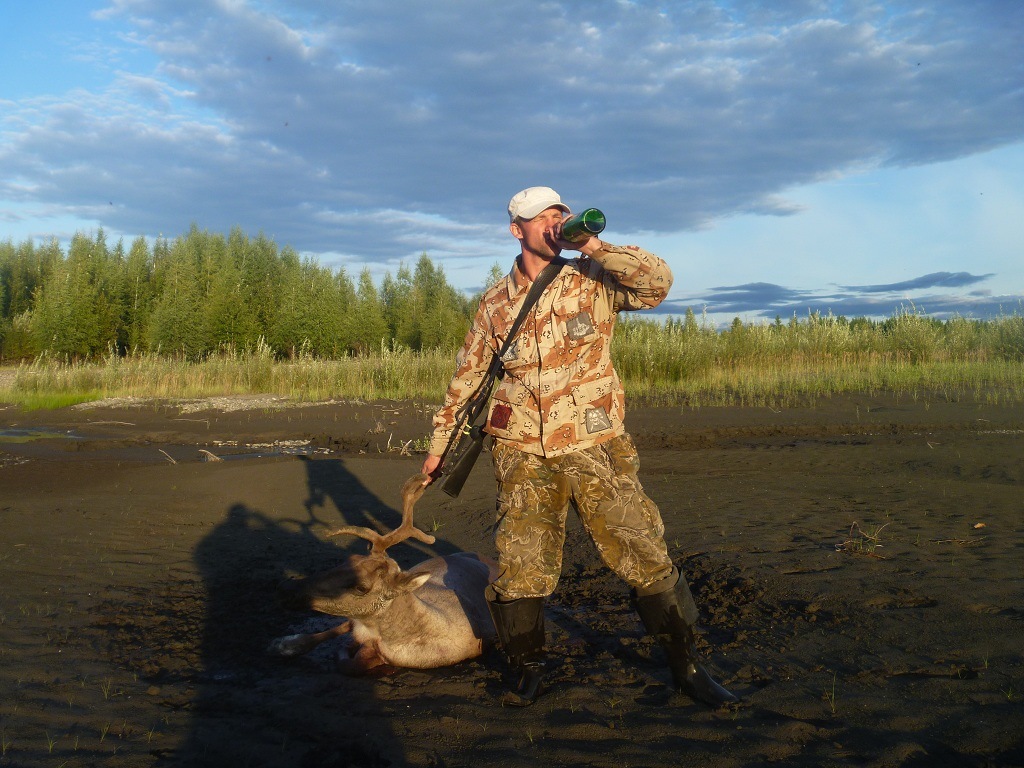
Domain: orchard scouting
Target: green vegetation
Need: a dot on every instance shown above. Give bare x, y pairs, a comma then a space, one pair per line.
777, 364
203, 294
388, 373
206, 315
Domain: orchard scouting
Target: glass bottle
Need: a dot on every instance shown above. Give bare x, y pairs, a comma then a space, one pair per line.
584, 225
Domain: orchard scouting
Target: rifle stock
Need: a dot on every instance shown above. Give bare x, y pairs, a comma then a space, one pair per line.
468, 437
462, 464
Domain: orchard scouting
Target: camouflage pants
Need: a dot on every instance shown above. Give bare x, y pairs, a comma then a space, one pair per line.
534, 493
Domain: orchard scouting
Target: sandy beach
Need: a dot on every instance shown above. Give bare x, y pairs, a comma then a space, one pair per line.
857, 564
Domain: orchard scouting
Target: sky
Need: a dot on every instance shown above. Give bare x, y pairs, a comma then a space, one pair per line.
854, 158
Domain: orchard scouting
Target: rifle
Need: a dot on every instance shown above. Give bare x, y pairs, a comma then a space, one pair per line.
468, 437
467, 440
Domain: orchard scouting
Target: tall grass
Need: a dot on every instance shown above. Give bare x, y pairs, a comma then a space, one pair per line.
678, 362
689, 362
390, 373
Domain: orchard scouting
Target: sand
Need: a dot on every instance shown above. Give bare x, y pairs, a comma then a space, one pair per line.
858, 566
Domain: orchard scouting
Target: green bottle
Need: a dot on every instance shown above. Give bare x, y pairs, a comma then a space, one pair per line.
583, 225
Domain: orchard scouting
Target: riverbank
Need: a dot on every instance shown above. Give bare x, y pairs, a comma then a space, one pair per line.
857, 566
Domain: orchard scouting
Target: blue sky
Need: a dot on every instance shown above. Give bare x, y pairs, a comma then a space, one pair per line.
845, 157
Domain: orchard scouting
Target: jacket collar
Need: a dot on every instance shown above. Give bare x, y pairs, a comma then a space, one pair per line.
517, 283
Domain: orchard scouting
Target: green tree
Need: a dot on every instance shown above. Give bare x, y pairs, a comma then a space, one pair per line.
23, 270
204, 291
423, 310
259, 266
396, 296
176, 325
347, 301
106, 270
136, 295
309, 318
64, 319
370, 329
285, 334
442, 313
230, 317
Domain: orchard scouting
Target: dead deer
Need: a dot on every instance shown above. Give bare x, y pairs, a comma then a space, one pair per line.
432, 615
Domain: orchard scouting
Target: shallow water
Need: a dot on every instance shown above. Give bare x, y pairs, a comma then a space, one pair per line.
29, 435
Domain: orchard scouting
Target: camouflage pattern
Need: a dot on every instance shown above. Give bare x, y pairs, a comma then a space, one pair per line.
560, 392
534, 493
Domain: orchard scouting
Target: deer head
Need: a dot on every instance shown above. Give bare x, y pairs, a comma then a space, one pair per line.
364, 585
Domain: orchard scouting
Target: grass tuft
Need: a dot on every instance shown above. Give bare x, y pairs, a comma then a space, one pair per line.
861, 542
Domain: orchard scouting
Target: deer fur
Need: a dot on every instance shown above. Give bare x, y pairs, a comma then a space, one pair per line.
432, 615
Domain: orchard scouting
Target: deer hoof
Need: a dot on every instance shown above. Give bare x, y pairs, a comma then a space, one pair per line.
288, 646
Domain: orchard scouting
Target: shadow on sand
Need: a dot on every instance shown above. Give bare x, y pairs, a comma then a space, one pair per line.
251, 708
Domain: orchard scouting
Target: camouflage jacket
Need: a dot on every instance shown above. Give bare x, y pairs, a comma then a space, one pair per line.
559, 392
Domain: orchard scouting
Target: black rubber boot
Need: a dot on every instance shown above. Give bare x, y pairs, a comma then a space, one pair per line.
520, 626
669, 615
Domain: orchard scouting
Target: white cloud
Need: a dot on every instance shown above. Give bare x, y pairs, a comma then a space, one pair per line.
378, 130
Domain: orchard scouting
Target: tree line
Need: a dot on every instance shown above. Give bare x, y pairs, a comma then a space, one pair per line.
203, 292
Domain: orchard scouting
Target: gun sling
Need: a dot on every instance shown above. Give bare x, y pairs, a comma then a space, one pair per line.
467, 438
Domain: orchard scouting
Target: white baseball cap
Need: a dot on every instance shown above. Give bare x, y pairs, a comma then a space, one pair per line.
531, 201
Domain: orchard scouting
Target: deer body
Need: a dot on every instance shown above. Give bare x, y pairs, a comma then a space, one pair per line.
432, 615
444, 621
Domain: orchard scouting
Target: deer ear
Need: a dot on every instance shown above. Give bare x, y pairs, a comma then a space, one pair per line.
413, 581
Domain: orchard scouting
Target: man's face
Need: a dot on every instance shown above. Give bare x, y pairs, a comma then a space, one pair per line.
537, 235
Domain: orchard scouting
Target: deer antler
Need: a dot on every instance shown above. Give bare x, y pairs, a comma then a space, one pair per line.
411, 493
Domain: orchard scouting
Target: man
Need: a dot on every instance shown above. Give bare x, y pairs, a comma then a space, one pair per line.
557, 423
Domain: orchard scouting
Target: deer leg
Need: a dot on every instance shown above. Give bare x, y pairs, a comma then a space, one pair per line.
297, 645
363, 661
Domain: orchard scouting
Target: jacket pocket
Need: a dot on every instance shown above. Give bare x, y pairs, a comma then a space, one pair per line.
511, 421
521, 352
596, 410
574, 323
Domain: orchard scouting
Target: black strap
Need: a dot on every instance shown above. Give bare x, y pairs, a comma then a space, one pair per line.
467, 438
543, 280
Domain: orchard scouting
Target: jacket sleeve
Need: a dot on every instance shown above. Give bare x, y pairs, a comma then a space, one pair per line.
471, 366
637, 278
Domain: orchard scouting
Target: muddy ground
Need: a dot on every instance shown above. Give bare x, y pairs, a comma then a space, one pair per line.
858, 566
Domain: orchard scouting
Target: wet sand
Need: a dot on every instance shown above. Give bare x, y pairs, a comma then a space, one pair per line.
139, 583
